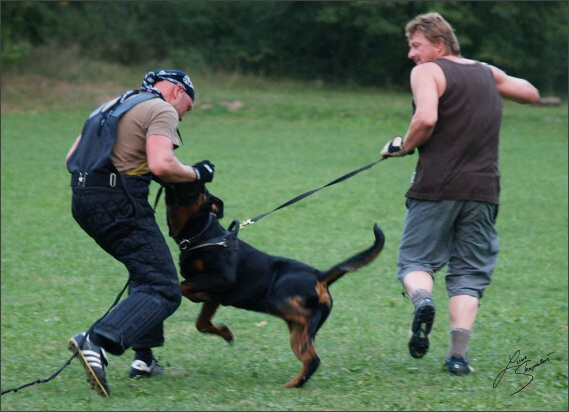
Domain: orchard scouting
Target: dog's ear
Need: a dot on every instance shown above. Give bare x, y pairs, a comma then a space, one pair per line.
217, 206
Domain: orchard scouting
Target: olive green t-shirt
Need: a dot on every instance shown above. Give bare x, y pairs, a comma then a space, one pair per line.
154, 116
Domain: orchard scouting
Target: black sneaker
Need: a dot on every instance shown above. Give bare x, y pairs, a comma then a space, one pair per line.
94, 359
140, 368
458, 365
423, 319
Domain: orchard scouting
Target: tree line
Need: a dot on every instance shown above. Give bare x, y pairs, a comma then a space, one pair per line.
349, 42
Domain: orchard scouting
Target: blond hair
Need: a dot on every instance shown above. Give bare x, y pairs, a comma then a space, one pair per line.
434, 27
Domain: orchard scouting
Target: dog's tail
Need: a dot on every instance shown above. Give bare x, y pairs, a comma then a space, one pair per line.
355, 262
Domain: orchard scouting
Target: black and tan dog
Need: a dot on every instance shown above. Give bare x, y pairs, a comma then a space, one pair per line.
220, 269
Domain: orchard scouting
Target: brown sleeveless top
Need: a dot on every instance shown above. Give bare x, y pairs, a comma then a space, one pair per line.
460, 159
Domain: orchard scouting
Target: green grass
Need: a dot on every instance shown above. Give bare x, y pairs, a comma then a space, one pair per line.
286, 139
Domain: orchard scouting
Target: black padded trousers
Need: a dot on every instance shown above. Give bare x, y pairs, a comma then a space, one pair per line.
122, 222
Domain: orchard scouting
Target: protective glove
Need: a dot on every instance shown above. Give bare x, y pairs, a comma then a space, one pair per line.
394, 148
204, 171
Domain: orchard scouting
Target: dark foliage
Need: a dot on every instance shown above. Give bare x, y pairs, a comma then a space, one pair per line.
335, 42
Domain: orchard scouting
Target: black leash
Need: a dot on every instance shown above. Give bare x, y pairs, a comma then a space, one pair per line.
75, 352
302, 196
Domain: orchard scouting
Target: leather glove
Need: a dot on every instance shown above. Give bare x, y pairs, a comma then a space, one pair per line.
204, 171
394, 148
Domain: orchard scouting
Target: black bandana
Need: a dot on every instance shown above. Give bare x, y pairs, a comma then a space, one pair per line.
173, 76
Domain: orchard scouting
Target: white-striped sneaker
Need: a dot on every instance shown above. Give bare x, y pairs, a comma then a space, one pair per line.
94, 359
140, 368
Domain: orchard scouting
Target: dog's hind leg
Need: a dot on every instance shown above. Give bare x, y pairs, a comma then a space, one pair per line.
321, 312
304, 350
303, 323
312, 318
293, 312
204, 325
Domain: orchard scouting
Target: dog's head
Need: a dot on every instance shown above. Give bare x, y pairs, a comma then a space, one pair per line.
189, 201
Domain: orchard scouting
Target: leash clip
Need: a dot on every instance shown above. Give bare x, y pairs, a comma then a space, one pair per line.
245, 223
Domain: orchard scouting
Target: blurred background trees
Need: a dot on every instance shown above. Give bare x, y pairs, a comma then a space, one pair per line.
346, 42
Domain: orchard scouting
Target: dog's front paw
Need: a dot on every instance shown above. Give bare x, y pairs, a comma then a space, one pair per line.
225, 333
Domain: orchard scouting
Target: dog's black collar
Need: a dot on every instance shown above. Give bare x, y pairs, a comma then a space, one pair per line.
187, 243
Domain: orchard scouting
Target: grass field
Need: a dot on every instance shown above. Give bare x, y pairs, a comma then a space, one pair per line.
271, 142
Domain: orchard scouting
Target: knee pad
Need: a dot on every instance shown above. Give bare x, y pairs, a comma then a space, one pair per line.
133, 318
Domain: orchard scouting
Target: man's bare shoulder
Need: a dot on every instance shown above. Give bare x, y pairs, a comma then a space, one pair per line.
428, 75
427, 67
427, 70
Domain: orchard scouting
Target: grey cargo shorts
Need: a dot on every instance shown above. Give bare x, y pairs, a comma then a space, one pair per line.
461, 234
